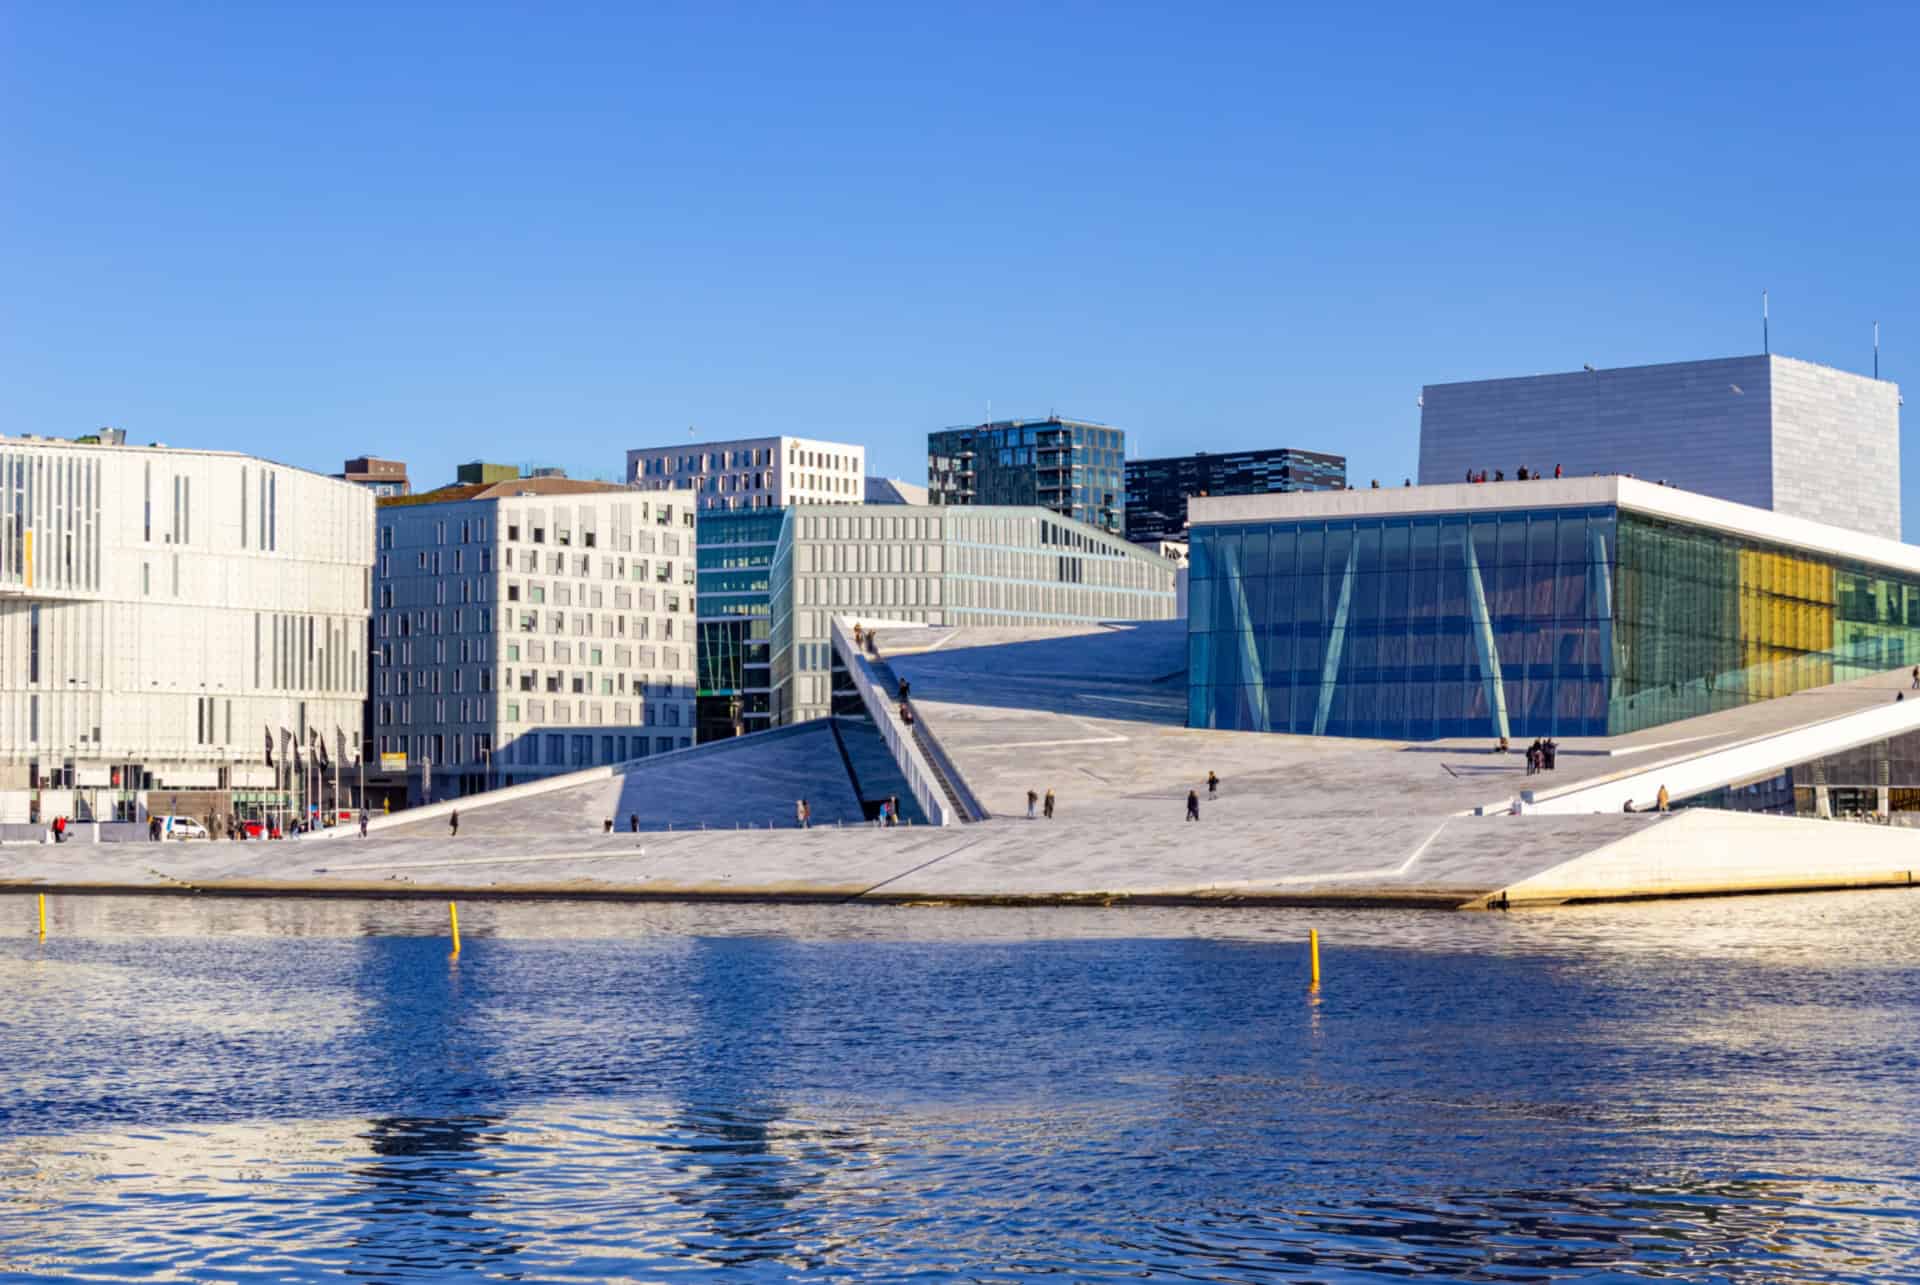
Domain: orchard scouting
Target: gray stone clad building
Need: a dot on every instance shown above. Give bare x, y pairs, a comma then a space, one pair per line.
527, 628
1766, 431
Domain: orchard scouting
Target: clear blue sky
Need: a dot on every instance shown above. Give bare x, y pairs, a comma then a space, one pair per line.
548, 233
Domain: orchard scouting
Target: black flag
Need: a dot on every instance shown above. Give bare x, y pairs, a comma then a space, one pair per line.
269, 732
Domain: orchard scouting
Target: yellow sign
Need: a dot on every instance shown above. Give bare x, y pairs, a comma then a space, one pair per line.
29, 552
393, 762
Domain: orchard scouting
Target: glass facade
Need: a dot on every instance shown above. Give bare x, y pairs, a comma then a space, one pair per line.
1158, 490
1073, 468
1568, 622
734, 556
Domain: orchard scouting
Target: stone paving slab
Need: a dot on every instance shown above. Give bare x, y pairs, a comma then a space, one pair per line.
1297, 818
1394, 860
750, 782
1109, 736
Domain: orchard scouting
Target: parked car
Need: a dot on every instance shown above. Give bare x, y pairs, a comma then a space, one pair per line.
259, 830
182, 828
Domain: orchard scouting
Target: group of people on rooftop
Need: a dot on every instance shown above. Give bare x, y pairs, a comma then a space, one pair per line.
1524, 475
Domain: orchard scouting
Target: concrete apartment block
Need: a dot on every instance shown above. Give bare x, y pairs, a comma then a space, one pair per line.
527, 628
1767, 431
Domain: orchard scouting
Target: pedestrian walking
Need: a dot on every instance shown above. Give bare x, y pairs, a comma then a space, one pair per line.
1916, 677
1047, 807
1193, 805
153, 829
893, 809
1661, 799
606, 826
1213, 786
453, 824
363, 823
802, 814
1033, 802
633, 823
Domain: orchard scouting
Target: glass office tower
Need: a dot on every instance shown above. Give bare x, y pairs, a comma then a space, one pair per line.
1158, 490
733, 553
1586, 620
1069, 466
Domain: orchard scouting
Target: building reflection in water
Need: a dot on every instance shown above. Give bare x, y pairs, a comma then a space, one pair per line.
423, 1199
753, 1177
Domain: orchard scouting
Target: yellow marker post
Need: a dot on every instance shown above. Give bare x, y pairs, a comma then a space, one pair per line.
1313, 946
453, 914
43, 916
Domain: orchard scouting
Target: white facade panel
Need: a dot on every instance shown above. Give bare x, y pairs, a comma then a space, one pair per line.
521, 635
755, 472
1764, 431
1836, 447
141, 590
938, 565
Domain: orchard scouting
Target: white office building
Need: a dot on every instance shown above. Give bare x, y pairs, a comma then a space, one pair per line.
526, 628
999, 566
162, 613
755, 472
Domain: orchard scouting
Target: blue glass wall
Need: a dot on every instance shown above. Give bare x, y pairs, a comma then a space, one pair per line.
1404, 627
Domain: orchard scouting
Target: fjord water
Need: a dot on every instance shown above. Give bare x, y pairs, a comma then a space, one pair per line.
224, 1090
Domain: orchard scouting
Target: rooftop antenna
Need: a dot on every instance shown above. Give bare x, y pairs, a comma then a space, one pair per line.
1766, 340
1876, 350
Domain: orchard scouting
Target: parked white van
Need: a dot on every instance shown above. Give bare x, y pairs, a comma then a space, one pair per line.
182, 828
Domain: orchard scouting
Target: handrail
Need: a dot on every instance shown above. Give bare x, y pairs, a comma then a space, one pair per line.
937, 753
919, 774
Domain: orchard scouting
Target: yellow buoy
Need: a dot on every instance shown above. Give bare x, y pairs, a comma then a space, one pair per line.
43, 916
453, 915
1313, 946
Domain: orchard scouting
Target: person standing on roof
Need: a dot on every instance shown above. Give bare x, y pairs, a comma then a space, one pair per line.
1213, 787
1047, 807
1193, 805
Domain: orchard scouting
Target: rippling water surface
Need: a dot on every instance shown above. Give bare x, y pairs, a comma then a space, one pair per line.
227, 1090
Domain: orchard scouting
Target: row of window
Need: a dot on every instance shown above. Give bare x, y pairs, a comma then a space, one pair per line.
612, 624
557, 681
